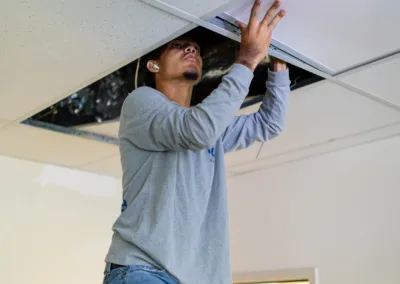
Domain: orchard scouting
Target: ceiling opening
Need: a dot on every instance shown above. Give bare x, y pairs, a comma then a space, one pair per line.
102, 101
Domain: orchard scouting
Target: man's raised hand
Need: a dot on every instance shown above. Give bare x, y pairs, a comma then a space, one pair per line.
256, 36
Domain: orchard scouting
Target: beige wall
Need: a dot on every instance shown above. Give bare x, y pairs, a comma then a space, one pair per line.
55, 223
338, 212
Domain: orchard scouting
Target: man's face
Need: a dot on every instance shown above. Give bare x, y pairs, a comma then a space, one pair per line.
181, 59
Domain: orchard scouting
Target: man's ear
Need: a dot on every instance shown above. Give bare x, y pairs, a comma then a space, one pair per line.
152, 66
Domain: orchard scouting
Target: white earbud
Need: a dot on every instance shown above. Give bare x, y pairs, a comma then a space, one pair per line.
155, 66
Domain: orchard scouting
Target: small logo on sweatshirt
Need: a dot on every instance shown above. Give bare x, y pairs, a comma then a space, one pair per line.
124, 205
211, 153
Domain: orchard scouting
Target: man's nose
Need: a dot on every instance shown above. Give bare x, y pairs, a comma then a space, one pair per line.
191, 49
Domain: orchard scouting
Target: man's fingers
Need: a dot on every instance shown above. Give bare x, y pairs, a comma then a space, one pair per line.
277, 18
269, 15
242, 26
254, 12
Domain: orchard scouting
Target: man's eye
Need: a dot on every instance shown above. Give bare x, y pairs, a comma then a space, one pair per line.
177, 45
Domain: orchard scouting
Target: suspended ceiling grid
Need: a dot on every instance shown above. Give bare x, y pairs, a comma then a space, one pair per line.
55, 49
380, 78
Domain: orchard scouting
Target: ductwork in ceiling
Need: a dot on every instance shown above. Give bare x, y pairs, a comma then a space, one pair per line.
102, 100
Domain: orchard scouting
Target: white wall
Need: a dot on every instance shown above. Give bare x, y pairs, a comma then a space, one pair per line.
339, 212
55, 223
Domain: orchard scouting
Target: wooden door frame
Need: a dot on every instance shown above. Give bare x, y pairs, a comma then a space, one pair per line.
285, 275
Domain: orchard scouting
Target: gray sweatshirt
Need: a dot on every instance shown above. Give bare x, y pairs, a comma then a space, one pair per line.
174, 212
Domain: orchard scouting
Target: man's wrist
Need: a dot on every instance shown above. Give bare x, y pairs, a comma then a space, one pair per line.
246, 62
278, 66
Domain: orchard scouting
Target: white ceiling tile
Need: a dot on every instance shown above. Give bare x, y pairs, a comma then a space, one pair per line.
312, 28
50, 49
201, 8
325, 111
109, 166
45, 146
105, 128
380, 79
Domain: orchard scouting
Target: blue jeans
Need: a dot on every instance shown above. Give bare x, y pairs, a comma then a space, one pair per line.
138, 274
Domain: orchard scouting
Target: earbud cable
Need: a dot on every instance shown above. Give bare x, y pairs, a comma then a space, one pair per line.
137, 73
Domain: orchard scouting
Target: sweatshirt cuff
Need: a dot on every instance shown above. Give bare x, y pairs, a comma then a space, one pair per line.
242, 73
279, 78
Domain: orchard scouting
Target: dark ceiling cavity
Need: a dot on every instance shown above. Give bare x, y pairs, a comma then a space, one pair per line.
102, 100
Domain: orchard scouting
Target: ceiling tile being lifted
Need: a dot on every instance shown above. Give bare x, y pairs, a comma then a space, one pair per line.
337, 35
202, 8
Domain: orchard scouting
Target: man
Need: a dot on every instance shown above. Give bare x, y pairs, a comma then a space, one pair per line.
174, 226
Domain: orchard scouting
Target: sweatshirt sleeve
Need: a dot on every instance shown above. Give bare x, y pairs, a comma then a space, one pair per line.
265, 124
152, 122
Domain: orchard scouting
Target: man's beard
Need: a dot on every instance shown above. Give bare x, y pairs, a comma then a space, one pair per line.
192, 75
